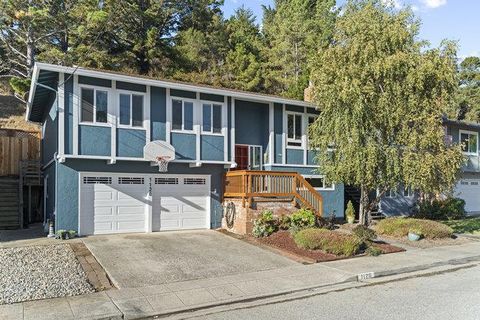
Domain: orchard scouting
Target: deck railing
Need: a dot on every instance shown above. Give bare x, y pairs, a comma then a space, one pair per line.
247, 184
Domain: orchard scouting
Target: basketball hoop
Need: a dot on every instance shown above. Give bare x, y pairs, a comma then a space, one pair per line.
162, 162
159, 153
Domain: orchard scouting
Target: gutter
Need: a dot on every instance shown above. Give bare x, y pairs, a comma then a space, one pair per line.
31, 94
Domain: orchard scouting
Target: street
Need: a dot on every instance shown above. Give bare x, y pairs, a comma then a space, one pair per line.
451, 295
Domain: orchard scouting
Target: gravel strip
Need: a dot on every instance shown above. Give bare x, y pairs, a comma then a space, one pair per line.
40, 272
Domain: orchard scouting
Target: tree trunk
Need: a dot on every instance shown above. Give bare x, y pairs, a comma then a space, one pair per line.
364, 209
30, 46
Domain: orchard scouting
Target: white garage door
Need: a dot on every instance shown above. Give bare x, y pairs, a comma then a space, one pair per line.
469, 190
112, 204
180, 202
120, 203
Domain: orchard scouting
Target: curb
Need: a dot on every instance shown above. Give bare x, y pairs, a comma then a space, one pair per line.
455, 263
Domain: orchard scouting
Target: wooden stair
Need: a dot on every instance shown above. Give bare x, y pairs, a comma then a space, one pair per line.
9, 203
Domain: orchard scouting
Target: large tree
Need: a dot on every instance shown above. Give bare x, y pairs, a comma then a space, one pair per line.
295, 30
381, 95
469, 91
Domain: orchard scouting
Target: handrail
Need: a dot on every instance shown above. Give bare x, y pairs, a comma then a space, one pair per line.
248, 184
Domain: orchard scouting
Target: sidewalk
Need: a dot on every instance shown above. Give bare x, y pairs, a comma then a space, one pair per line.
172, 298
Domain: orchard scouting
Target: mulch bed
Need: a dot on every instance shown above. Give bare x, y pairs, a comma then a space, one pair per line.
283, 241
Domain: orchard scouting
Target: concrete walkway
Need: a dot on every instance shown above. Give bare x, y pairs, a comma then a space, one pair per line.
172, 298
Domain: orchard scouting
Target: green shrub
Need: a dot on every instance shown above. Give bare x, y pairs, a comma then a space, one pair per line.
284, 222
302, 219
399, 227
364, 234
447, 209
265, 225
373, 251
350, 211
328, 241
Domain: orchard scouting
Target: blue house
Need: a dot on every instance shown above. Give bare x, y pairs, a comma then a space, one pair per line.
402, 201
96, 124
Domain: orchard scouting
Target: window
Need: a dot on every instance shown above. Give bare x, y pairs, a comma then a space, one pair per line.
390, 193
319, 182
469, 141
194, 181
407, 192
182, 115
212, 118
94, 104
131, 110
131, 180
166, 180
97, 180
294, 130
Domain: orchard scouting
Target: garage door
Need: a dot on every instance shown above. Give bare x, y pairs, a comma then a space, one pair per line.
113, 204
119, 203
180, 203
469, 190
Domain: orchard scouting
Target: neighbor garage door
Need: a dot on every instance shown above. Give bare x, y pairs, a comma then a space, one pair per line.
119, 203
469, 190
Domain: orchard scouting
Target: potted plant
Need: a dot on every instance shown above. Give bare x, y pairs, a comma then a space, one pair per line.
414, 234
350, 213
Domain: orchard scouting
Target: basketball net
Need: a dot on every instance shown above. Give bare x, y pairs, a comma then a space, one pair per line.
162, 162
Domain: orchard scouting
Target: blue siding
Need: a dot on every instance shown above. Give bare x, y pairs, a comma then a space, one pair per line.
333, 200
184, 145
398, 205
158, 113
211, 147
95, 81
251, 123
183, 94
294, 156
211, 97
68, 114
68, 172
94, 140
131, 86
290, 107
50, 203
50, 136
473, 161
130, 142
278, 130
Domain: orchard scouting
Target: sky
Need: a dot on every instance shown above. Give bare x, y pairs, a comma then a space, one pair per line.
457, 20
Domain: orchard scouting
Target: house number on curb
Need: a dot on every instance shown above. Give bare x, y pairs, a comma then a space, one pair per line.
365, 276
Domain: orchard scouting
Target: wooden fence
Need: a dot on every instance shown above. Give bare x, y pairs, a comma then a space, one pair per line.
16, 146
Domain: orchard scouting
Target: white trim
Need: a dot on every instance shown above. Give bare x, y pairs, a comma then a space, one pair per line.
271, 137
168, 117
194, 103
232, 131
469, 133
142, 159
250, 147
171, 84
33, 88
284, 135
302, 124
222, 122
61, 114
79, 200
76, 111
225, 128
197, 111
146, 116
304, 138
95, 89
113, 119
289, 165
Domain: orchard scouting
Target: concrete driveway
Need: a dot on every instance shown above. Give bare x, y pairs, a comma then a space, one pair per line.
137, 260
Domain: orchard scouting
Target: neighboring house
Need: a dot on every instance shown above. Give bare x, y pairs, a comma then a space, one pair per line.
401, 202
95, 125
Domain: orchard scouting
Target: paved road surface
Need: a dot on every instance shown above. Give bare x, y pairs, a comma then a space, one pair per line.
449, 296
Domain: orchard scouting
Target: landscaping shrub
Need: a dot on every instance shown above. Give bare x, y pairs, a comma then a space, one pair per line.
265, 225
302, 219
399, 227
326, 223
364, 234
284, 222
448, 209
350, 212
373, 251
328, 241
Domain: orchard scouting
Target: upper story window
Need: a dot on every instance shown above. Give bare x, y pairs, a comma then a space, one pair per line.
469, 141
407, 192
182, 115
131, 110
212, 118
94, 105
294, 130
390, 193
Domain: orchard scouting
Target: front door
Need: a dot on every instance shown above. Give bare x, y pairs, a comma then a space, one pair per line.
248, 157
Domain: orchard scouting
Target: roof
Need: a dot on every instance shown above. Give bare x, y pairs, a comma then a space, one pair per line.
469, 124
46, 75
